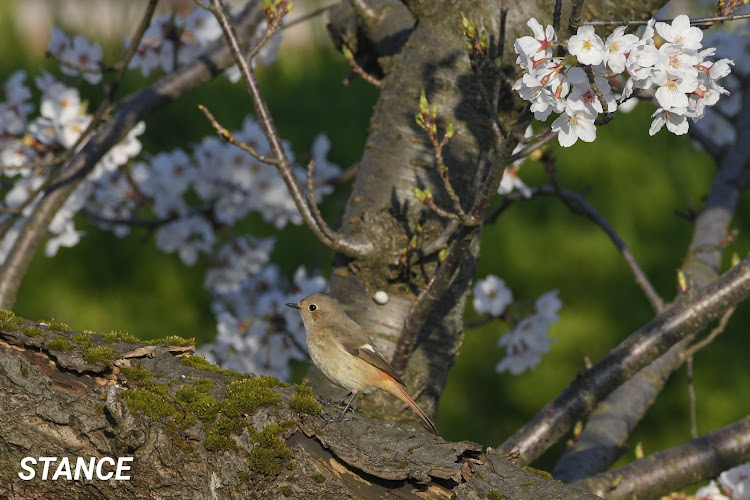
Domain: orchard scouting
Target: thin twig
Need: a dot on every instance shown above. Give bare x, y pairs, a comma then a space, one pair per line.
230, 138
309, 15
359, 70
503, 23
673, 469
314, 202
274, 140
557, 16
576, 16
579, 205
549, 137
106, 103
691, 395
639, 22
718, 330
133, 109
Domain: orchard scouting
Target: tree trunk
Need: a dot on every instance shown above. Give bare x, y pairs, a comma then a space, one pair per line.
399, 157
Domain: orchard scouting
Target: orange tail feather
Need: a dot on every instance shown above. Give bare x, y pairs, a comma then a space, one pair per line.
396, 389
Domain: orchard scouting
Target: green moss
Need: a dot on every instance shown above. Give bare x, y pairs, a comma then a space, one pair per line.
303, 390
246, 395
82, 339
189, 421
221, 420
197, 400
112, 337
155, 406
217, 442
304, 401
137, 373
479, 474
99, 354
269, 450
59, 344
58, 325
403, 464
33, 331
204, 384
201, 363
494, 495
244, 476
540, 472
25, 371
174, 340
9, 321
319, 478
287, 490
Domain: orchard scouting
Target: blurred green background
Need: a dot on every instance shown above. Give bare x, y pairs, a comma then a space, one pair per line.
637, 182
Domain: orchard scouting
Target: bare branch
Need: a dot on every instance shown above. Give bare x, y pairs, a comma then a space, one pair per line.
637, 351
675, 468
580, 206
314, 204
284, 166
230, 138
707, 21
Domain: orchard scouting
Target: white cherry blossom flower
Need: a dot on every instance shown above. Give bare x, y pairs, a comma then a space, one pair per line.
586, 46
675, 120
616, 46
575, 124
491, 296
680, 32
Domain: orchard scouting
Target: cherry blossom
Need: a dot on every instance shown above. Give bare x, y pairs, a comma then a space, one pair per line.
575, 124
491, 296
586, 46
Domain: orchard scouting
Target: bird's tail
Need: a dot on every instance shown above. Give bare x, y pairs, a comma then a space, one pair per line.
397, 390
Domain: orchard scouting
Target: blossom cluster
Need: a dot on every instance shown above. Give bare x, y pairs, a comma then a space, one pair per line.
78, 56
681, 71
27, 140
528, 340
172, 41
186, 195
257, 333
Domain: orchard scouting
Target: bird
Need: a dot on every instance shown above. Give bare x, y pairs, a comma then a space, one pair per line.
346, 354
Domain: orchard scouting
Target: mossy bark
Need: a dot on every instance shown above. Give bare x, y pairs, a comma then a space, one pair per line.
195, 431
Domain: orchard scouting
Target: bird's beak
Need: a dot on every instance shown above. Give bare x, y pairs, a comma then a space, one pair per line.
293, 305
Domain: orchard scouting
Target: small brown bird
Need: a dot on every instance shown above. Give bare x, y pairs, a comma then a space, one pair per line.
343, 351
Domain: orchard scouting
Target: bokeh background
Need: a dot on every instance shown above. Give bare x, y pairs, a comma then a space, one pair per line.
637, 182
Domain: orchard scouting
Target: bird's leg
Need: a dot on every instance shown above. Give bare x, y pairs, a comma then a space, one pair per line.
325, 402
348, 405
354, 395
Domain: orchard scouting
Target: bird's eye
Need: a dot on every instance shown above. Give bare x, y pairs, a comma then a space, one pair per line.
313, 307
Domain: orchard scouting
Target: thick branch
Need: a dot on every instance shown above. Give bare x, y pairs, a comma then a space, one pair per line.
193, 430
686, 317
676, 468
611, 423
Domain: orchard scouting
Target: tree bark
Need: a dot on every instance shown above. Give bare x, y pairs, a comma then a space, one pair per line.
195, 432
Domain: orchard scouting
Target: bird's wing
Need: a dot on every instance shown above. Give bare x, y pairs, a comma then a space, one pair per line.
358, 343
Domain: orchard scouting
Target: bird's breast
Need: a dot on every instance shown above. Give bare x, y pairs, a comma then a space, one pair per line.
343, 369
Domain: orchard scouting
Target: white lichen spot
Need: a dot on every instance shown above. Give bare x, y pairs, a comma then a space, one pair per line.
380, 297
